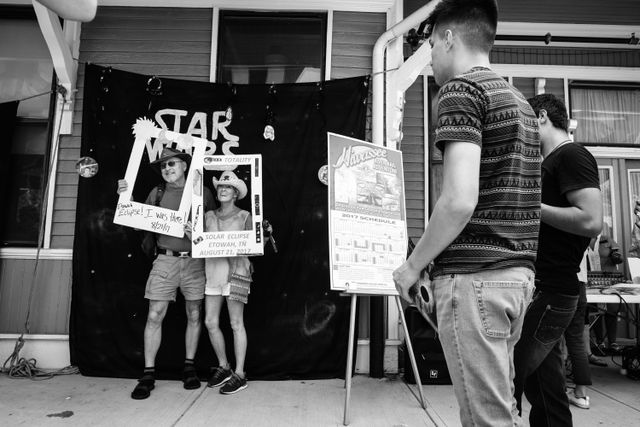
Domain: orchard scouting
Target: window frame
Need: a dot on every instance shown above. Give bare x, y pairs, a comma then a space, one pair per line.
234, 13
19, 12
326, 17
612, 85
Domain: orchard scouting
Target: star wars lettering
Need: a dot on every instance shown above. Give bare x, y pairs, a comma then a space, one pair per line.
198, 127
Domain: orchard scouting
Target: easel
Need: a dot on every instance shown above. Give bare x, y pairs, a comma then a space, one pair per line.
352, 326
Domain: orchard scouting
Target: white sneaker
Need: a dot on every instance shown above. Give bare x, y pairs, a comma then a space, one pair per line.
580, 402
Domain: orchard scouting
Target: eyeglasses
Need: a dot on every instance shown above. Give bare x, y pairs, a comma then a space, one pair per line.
170, 163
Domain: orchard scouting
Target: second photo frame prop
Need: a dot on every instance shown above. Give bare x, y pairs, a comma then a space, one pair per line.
246, 238
367, 218
151, 139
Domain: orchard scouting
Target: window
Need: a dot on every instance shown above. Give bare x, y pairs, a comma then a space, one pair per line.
609, 227
527, 86
606, 113
26, 72
271, 47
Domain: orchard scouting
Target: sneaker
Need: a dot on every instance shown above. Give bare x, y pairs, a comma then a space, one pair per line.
190, 378
234, 385
219, 376
596, 361
580, 402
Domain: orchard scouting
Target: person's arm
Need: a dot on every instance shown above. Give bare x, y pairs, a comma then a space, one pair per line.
583, 217
122, 186
267, 234
187, 229
248, 221
75, 10
454, 208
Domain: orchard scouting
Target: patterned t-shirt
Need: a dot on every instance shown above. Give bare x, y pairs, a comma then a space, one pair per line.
480, 107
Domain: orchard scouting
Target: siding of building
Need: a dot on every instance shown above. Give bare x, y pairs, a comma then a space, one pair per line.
613, 12
413, 147
354, 34
575, 56
51, 289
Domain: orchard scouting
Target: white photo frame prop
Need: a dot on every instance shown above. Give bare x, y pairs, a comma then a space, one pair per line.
150, 217
215, 244
367, 215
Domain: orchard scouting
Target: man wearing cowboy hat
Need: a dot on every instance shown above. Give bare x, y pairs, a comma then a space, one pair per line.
172, 269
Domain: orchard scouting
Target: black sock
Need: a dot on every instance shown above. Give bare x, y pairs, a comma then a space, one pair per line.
149, 371
189, 365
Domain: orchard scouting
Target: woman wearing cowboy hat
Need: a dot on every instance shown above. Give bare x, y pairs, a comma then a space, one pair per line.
227, 278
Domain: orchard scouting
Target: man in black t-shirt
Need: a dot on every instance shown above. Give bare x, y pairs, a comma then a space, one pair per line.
571, 215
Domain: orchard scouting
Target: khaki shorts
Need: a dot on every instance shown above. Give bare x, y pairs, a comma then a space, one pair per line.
170, 273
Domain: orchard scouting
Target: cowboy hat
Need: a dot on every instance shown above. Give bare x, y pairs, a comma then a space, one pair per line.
229, 178
168, 153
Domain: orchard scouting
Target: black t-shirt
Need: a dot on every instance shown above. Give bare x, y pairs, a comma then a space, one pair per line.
569, 167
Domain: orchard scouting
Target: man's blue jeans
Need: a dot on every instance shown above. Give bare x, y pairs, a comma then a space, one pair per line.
575, 339
539, 362
479, 322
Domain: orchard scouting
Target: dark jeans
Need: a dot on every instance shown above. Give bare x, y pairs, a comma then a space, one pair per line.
538, 359
576, 347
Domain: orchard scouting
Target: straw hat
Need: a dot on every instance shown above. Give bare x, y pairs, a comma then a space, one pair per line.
229, 178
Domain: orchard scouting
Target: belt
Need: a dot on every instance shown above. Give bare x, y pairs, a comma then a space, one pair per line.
169, 252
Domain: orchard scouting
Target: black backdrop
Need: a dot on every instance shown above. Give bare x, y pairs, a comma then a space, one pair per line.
297, 327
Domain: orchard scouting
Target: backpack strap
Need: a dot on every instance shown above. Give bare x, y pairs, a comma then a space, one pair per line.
159, 193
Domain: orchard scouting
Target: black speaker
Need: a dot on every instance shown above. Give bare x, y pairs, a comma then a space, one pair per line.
427, 349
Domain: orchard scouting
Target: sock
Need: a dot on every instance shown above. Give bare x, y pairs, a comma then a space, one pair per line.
149, 371
189, 365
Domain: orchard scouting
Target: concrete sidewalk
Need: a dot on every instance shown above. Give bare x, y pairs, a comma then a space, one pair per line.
74, 400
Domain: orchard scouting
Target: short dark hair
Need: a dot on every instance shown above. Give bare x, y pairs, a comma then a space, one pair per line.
555, 108
478, 20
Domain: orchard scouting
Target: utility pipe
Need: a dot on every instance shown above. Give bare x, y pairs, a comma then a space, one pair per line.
379, 49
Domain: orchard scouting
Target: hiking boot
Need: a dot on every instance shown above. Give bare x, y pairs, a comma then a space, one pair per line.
190, 378
234, 385
144, 387
219, 376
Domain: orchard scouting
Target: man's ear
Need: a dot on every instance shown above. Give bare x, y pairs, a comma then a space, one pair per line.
542, 116
448, 38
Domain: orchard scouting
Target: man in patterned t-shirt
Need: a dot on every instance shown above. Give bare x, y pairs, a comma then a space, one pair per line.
483, 232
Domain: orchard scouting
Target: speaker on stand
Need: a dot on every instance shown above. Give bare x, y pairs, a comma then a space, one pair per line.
427, 349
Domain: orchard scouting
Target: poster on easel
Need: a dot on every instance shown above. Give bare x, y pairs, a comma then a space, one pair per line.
151, 140
367, 218
214, 236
